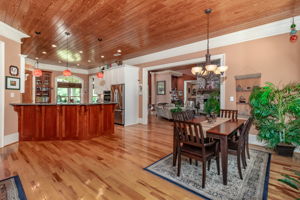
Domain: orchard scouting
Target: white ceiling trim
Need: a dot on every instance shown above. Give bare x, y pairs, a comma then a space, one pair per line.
55, 67
266, 30
11, 33
174, 73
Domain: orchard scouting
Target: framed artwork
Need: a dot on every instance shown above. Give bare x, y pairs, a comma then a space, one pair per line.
13, 70
12, 83
160, 87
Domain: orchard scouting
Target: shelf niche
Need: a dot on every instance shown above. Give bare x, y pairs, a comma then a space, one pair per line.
244, 87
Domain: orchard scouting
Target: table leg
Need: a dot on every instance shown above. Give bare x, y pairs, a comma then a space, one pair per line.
224, 158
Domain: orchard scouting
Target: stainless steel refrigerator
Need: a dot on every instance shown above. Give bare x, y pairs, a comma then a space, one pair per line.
118, 96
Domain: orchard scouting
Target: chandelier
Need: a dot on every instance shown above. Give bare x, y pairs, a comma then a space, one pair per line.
209, 70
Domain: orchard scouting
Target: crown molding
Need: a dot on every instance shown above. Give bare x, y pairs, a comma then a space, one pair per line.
174, 73
11, 33
55, 67
258, 32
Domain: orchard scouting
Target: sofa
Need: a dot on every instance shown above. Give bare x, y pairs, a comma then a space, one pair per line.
164, 110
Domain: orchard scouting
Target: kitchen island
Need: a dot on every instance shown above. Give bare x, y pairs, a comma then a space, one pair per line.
40, 122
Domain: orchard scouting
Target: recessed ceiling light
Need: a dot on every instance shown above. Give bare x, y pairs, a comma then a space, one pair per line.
80, 51
89, 61
119, 50
53, 45
36, 58
117, 54
44, 52
102, 56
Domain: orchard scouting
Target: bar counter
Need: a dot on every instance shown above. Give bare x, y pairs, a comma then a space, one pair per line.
40, 122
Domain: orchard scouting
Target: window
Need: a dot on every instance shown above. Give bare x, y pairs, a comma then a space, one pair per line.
69, 89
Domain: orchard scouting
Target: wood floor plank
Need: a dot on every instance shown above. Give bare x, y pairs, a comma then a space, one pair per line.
111, 167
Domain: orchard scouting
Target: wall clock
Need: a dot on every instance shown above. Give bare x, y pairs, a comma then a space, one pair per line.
13, 70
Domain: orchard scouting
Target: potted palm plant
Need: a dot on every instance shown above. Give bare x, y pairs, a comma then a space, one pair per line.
276, 113
212, 105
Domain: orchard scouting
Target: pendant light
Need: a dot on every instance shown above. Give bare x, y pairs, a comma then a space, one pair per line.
100, 74
67, 72
209, 70
37, 72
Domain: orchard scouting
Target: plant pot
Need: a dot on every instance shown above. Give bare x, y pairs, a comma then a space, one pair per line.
285, 149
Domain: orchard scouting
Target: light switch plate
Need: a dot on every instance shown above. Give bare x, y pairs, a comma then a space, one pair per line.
12, 95
231, 98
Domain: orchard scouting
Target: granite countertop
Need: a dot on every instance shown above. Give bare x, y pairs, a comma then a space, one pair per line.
61, 104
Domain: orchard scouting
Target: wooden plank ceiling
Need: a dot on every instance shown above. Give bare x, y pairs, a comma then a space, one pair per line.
136, 27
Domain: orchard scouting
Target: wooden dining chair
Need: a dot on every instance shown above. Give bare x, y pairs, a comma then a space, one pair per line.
189, 115
179, 116
232, 114
237, 146
192, 144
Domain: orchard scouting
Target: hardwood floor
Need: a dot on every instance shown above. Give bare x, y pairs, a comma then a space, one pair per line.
110, 167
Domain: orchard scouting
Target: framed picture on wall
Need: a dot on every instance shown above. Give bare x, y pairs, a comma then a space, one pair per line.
12, 83
160, 87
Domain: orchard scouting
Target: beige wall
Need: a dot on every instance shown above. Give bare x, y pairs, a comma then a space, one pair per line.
161, 98
12, 52
274, 57
55, 74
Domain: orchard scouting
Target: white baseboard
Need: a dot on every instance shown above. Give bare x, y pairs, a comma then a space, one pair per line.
140, 120
11, 138
253, 140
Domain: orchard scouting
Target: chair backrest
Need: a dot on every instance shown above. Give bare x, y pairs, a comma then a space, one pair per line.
225, 113
245, 131
179, 116
189, 115
190, 133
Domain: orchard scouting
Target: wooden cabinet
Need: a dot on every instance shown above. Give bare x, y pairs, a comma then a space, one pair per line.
43, 88
64, 122
127, 75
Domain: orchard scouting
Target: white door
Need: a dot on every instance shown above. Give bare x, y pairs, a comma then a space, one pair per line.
2, 90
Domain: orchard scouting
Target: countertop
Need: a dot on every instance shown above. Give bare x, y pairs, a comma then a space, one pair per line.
60, 104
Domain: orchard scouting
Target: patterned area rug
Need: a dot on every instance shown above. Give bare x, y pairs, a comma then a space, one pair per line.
11, 189
254, 185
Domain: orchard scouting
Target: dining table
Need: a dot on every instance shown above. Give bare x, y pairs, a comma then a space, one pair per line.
221, 131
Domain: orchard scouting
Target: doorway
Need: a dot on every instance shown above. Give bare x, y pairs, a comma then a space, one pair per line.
2, 92
146, 70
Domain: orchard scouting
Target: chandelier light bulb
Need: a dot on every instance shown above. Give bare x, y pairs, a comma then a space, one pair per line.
196, 70
223, 68
211, 68
217, 71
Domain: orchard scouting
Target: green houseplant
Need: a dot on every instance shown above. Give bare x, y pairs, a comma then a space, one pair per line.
177, 108
212, 105
291, 181
276, 113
